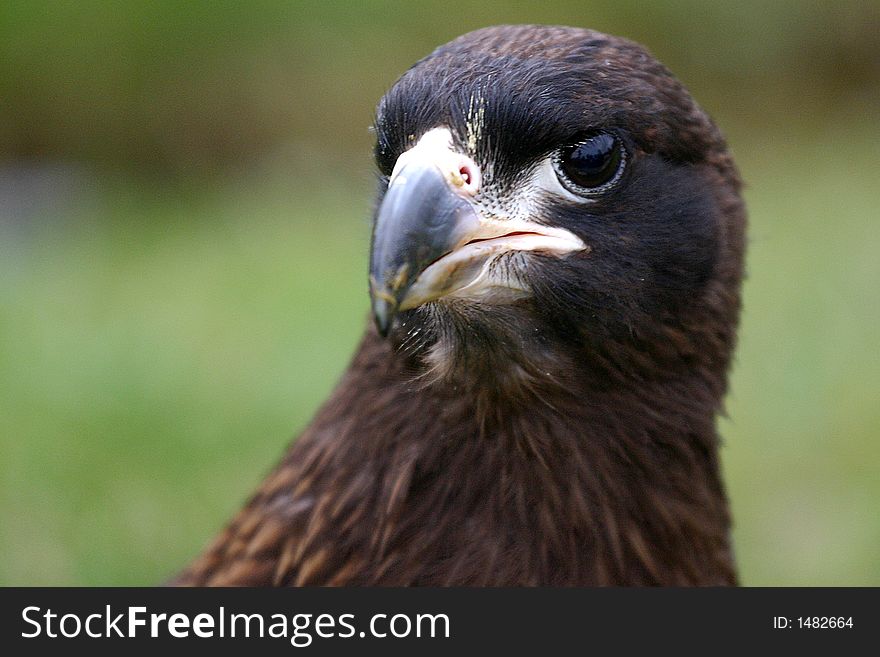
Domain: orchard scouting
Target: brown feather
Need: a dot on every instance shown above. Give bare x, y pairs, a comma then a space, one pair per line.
592, 466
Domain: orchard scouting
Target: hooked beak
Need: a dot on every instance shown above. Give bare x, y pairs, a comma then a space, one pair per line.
429, 240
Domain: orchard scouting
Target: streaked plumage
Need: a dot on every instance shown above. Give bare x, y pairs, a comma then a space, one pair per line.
542, 410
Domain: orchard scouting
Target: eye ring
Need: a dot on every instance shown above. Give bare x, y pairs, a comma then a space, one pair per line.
592, 165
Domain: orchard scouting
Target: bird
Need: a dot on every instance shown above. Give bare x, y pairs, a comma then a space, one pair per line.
555, 266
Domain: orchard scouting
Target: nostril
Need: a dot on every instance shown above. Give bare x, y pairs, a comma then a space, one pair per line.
468, 176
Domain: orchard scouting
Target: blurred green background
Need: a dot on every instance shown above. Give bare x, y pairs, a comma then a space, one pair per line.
185, 194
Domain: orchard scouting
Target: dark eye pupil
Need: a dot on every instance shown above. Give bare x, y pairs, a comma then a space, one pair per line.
593, 162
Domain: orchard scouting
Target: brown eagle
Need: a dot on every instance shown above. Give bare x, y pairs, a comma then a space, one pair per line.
555, 268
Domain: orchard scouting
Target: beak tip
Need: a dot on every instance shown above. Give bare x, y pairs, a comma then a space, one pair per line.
382, 315
384, 306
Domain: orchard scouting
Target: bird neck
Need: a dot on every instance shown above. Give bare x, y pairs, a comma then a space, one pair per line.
627, 477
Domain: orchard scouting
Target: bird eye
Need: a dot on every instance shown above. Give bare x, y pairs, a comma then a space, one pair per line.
591, 165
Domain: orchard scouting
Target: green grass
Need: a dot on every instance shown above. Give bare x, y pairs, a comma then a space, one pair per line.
159, 349
154, 360
803, 439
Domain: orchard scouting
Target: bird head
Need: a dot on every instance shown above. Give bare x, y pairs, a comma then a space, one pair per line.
553, 198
